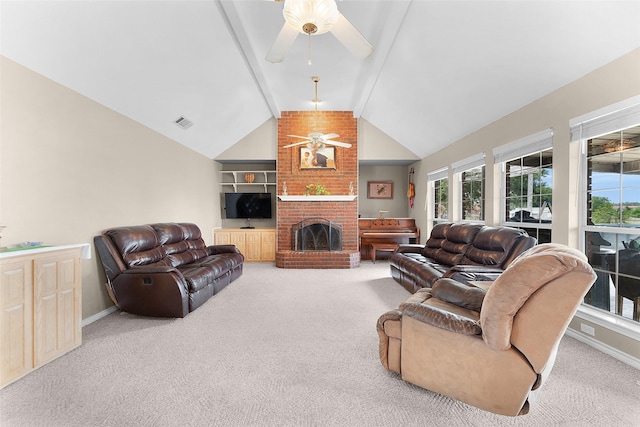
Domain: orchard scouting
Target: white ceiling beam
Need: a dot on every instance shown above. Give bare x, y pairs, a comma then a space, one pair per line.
394, 18
230, 13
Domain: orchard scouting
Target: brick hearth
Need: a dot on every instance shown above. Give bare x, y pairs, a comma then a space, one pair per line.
336, 181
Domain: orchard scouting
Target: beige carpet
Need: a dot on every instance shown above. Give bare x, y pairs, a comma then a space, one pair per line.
285, 348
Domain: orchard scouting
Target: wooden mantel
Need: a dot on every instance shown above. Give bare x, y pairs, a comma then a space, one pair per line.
317, 198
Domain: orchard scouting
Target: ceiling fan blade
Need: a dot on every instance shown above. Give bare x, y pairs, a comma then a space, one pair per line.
339, 144
330, 135
298, 136
283, 42
295, 143
351, 38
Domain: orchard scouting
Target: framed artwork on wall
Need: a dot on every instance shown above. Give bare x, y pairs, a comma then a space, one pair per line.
324, 158
380, 189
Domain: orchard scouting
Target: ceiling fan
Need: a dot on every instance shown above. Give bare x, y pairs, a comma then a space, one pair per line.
316, 17
316, 140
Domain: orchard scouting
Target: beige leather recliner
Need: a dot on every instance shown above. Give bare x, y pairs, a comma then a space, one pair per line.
494, 350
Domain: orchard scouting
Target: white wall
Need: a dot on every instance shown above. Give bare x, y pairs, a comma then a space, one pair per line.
70, 168
607, 85
398, 206
259, 145
376, 146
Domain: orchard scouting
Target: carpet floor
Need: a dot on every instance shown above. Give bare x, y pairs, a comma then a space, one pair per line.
286, 348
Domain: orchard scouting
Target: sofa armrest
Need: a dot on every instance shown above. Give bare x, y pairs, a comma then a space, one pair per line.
468, 272
410, 248
151, 269
389, 327
222, 249
471, 268
158, 291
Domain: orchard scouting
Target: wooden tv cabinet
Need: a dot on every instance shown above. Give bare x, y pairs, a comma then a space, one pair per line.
256, 244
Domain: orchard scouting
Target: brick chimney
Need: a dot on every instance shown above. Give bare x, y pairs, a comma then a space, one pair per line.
335, 178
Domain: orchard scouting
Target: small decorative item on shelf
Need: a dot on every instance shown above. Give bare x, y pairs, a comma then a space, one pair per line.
320, 190
308, 189
351, 188
29, 244
249, 177
284, 188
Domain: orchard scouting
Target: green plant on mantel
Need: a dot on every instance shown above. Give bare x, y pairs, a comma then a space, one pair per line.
318, 189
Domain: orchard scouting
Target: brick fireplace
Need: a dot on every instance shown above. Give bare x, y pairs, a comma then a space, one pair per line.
338, 207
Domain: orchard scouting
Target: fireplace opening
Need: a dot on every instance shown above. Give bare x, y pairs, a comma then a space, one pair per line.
316, 234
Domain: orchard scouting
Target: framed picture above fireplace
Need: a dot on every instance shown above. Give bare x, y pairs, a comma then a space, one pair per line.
380, 189
324, 158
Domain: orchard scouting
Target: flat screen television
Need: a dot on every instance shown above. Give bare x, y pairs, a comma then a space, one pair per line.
247, 205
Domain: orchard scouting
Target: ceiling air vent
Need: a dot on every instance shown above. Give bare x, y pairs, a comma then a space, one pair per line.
183, 122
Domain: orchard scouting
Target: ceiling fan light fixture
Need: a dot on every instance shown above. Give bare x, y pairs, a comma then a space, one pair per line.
311, 16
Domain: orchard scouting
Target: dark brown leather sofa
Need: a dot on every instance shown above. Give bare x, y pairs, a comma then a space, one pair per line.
462, 251
165, 269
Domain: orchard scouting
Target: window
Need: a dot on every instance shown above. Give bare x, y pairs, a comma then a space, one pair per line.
441, 204
472, 178
473, 194
611, 205
439, 182
527, 183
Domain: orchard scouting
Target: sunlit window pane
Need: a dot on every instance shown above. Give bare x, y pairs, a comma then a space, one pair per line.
613, 196
473, 194
441, 205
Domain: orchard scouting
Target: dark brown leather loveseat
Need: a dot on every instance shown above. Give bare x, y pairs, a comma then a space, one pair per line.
462, 251
165, 269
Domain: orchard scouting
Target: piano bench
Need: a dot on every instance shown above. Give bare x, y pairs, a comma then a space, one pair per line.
387, 247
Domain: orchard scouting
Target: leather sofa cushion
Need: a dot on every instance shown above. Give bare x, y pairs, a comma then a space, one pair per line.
426, 273
168, 232
218, 264
193, 237
198, 249
463, 232
182, 258
138, 244
176, 248
459, 294
437, 236
190, 231
492, 245
452, 255
458, 238
144, 258
133, 239
199, 277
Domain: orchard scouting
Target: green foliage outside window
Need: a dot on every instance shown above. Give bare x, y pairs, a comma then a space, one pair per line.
441, 198
604, 212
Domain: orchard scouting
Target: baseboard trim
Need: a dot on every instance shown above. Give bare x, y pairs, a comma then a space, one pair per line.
613, 352
89, 320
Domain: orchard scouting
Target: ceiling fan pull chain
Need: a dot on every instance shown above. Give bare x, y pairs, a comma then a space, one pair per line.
309, 60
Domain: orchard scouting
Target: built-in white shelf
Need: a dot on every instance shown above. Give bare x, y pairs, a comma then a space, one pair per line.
316, 198
235, 179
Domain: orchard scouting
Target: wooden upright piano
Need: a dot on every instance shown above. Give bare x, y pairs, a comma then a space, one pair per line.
385, 234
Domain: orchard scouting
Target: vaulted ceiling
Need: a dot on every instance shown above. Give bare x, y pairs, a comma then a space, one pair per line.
440, 69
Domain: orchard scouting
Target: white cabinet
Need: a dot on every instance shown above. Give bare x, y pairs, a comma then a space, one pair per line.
41, 307
242, 179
